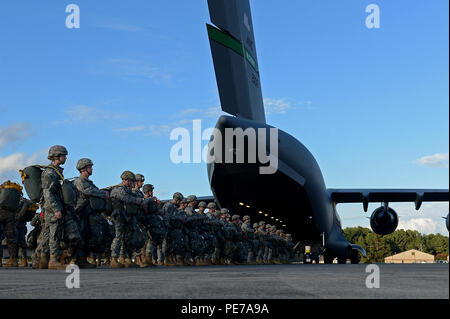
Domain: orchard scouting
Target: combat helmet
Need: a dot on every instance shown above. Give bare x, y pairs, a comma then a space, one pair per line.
202, 204
83, 163
211, 205
191, 198
56, 150
127, 175
147, 188
178, 196
139, 178
246, 217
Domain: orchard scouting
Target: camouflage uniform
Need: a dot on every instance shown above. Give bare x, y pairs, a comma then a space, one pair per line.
175, 240
89, 221
126, 230
54, 228
8, 222
153, 224
260, 258
23, 215
250, 239
2, 236
140, 222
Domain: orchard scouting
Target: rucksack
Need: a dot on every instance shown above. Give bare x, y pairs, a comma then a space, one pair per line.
10, 194
31, 179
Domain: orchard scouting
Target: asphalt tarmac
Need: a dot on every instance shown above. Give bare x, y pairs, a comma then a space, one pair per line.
298, 281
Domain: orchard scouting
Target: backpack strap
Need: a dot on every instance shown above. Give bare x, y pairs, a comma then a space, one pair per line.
56, 170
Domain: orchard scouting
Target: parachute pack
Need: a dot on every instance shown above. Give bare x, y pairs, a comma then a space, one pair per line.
31, 179
10, 194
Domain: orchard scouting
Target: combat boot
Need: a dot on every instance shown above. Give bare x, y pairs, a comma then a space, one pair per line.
180, 261
43, 261
115, 264
198, 262
54, 263
12, 262
1, 261
206, 261
98, 262
106, 262
24, 262
137, 260
82, 263
142, 262
129, 263
149, 261
121, 260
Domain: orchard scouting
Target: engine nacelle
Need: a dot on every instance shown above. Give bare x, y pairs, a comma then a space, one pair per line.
384, 220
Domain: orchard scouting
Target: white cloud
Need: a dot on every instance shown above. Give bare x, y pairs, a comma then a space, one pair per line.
137, 70
422, 225
137, 128
427, 220
159, 129
205, 113
436, 160
86, 113
10, 165
276, 106
14, 133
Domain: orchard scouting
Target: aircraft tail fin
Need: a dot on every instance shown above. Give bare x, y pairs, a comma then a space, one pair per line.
234, 56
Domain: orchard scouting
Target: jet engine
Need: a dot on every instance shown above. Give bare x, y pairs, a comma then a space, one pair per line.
384, 220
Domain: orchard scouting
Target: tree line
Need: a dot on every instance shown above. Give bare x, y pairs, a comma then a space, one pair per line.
379, 247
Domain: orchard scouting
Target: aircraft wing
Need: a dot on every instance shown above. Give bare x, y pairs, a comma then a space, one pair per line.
367, 196
207, 199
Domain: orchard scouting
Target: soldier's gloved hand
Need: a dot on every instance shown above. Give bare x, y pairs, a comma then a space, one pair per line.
58, 215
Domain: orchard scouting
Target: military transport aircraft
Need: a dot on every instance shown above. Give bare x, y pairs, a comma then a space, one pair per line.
241, 187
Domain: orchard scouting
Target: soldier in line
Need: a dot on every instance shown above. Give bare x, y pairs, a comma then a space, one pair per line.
2, 236
8, 223
57, 212
169, 212
154, 227
249, 235
140, 219
89, 221
24, 214
125, 206
176, 239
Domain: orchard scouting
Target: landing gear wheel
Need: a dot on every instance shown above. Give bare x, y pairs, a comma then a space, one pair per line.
328, 258
355, 257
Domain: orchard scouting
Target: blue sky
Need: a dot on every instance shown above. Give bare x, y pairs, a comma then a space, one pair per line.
370, 104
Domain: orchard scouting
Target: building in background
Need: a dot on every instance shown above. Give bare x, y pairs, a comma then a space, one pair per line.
412, 256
